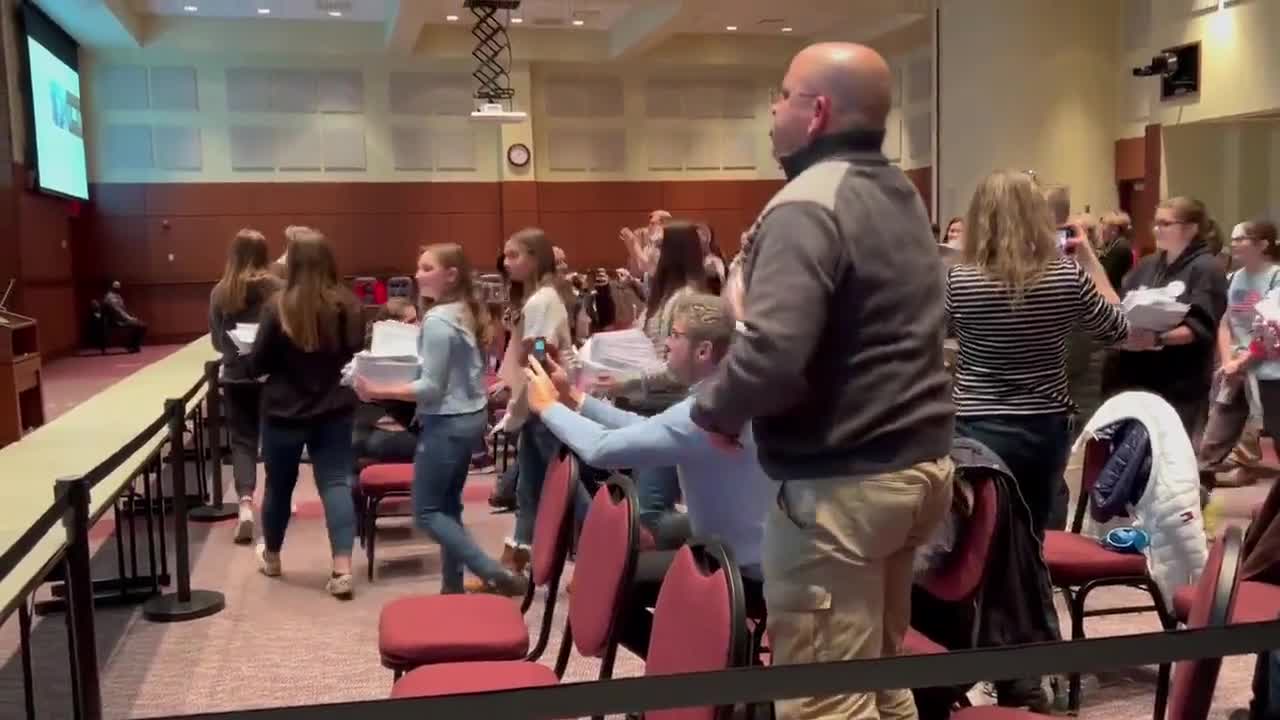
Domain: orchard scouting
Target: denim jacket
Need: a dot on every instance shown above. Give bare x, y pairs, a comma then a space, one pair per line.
452, 377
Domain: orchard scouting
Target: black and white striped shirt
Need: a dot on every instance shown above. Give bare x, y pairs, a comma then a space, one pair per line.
1012, 358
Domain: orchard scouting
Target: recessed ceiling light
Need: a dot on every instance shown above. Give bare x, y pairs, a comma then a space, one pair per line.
451, 18
786, 29
517, 20
264, 11
190, 8
579, 23
335, 13
730, 28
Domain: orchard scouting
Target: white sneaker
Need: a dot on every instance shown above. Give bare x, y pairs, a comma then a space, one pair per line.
244, 524
268, 563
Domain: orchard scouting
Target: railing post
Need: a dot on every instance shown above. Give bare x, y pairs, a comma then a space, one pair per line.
216, 510
185, 604
86, 688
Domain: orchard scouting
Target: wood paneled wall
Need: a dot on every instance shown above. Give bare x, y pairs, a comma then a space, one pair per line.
166, 243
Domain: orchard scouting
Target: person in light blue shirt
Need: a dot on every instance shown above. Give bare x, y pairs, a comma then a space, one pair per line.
725, 490
451, 399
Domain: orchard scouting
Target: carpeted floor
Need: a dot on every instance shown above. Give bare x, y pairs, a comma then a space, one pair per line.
285, 641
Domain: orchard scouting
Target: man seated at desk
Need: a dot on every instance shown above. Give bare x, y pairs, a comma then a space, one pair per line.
725, 490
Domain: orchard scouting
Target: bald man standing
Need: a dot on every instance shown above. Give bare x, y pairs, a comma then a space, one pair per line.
838, 365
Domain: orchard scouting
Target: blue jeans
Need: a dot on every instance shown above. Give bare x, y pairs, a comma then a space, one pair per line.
538, 447
328, 442
657, 490
1035, 449
440, 469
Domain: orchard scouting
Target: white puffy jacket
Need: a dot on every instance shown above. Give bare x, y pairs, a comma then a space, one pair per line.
1169, 509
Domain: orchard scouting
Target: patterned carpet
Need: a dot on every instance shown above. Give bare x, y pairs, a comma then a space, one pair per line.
284, 641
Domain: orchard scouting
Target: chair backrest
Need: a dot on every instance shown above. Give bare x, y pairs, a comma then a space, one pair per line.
365, 289
699, 622
603, 569
553, 526
1191, 692
400, 286
961, 575
1096, 454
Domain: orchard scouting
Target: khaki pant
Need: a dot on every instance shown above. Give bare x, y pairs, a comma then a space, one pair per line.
838, 572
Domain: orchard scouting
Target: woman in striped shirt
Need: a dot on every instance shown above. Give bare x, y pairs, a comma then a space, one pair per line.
1012, 301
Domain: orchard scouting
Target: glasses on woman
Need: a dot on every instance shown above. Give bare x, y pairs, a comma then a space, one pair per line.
1164, 224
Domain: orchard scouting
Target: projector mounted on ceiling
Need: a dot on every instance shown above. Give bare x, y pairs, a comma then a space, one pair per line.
494, 112
493, 57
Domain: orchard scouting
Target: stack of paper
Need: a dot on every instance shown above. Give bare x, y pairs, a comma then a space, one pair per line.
616, 354
392, 357
243, 336
1156, 309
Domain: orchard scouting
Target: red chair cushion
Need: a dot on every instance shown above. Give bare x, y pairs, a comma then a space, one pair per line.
915, 643
962, 572
1076, 559
693, 629
471, 677
1255, 602
385, 478
424, 629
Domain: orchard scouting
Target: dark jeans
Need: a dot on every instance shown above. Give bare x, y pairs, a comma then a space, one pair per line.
328, 443
440, 469
657, 490
244, 427
538, 447
135, 334
651, 567
1035, 449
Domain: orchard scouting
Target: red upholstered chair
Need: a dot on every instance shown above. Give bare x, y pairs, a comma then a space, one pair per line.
602, 575
699, 622
959, 579
1257, 602
1078, 565
378, 483
1193, 680
425, 629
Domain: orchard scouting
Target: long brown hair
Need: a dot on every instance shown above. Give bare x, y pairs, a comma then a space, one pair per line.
451, 257
246, 262
679, 265
533, 241
1263, 232
314, 301
1009, 233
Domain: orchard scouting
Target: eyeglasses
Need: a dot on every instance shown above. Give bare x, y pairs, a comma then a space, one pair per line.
1162, 224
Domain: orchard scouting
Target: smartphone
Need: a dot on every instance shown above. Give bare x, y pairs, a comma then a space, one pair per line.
540, 350
1065, 234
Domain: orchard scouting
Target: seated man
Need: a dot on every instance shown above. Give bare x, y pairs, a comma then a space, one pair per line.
725, 489
117, 315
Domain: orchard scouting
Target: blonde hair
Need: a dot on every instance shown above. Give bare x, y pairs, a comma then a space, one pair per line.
1009, 233
313, 301
246, 262
708, 318
1118, 219
450, 256
1058, 200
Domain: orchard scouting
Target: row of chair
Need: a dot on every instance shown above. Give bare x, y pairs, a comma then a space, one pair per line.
444, 644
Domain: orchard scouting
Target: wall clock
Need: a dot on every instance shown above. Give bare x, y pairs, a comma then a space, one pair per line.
518, 155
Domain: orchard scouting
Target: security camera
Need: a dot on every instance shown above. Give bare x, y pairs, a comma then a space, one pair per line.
1165, 64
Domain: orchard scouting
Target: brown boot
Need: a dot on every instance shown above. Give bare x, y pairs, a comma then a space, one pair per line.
513, 558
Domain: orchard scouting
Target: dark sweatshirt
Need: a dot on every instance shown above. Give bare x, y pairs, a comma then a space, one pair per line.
839, 360
1181, 374
235, 367
302, 385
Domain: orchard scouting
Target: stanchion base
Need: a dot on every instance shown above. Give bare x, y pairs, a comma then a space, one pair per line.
214, 513
168, 608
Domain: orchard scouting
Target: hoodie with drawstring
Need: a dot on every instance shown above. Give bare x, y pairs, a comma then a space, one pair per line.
1180, 374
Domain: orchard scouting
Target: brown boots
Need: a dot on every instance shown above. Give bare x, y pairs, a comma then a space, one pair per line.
515, 559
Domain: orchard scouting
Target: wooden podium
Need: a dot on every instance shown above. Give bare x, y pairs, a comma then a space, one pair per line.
21, 397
